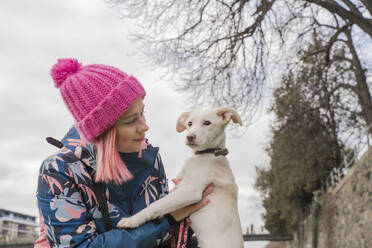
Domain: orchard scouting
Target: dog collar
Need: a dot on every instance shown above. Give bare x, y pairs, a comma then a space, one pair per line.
215, 151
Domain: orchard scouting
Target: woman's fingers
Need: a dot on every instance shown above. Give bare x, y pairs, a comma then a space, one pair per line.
205, 201
209, 189
188, 210
201, 204
176, 180
182, 213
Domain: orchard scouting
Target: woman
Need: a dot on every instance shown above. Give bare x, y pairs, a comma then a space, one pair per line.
105, 169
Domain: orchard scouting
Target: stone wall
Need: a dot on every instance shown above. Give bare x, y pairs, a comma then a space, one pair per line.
346, 218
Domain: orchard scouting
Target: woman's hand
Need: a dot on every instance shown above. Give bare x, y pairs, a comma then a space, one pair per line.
184, 212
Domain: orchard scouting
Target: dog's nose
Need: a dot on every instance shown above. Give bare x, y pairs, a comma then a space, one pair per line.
191, 137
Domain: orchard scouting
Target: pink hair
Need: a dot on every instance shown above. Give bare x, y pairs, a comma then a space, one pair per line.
110, 167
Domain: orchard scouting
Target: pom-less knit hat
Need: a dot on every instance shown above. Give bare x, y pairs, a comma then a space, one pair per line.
96, 95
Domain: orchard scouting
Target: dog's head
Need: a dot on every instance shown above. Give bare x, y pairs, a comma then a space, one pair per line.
205, 128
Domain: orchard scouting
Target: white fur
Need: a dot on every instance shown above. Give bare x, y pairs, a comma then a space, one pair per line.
216, 225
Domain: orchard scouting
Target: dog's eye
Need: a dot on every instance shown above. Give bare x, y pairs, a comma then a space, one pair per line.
189, 124
207, 123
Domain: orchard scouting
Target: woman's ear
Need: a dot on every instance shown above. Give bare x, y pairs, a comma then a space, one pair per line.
228, 114
181, 125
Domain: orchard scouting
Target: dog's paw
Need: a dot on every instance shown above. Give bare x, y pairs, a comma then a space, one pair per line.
130, 222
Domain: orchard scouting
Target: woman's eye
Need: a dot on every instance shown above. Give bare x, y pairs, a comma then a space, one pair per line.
189, 124
131, 121
207, 123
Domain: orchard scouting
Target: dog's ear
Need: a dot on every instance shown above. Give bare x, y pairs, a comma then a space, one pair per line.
228, 114
181, 125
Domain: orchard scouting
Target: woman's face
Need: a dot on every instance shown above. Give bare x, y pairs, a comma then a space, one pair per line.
131, 128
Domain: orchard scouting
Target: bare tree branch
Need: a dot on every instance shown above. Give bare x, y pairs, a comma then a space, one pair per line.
368, 5
333, 39
219, 52
352, 7
364, 23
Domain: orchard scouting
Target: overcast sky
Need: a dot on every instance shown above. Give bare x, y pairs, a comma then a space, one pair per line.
33, 34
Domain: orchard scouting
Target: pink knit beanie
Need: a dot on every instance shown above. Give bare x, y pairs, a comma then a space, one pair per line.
96, 95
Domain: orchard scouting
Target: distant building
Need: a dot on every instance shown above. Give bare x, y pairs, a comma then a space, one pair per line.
15, 225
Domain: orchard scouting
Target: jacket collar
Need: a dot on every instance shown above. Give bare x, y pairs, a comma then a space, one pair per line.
85, 152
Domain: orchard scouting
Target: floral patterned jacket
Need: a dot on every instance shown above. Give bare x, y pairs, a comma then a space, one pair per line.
69, 215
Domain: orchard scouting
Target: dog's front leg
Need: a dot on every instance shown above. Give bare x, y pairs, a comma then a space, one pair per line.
181, 197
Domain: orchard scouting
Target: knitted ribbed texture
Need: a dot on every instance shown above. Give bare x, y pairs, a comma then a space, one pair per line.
96, 95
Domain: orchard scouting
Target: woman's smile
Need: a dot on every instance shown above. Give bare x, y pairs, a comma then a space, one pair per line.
131, 128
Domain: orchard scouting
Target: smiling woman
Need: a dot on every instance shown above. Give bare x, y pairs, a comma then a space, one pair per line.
131, 128
38, 32
105, 169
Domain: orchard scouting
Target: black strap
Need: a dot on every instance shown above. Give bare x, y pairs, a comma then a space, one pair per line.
215, 151
98, 188
54, 142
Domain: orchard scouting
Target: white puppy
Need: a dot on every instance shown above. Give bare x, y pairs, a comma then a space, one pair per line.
217, 225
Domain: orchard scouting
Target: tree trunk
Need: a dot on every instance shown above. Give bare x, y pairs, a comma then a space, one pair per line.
361, 89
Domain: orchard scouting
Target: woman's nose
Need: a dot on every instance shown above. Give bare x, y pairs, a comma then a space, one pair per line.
143, 126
